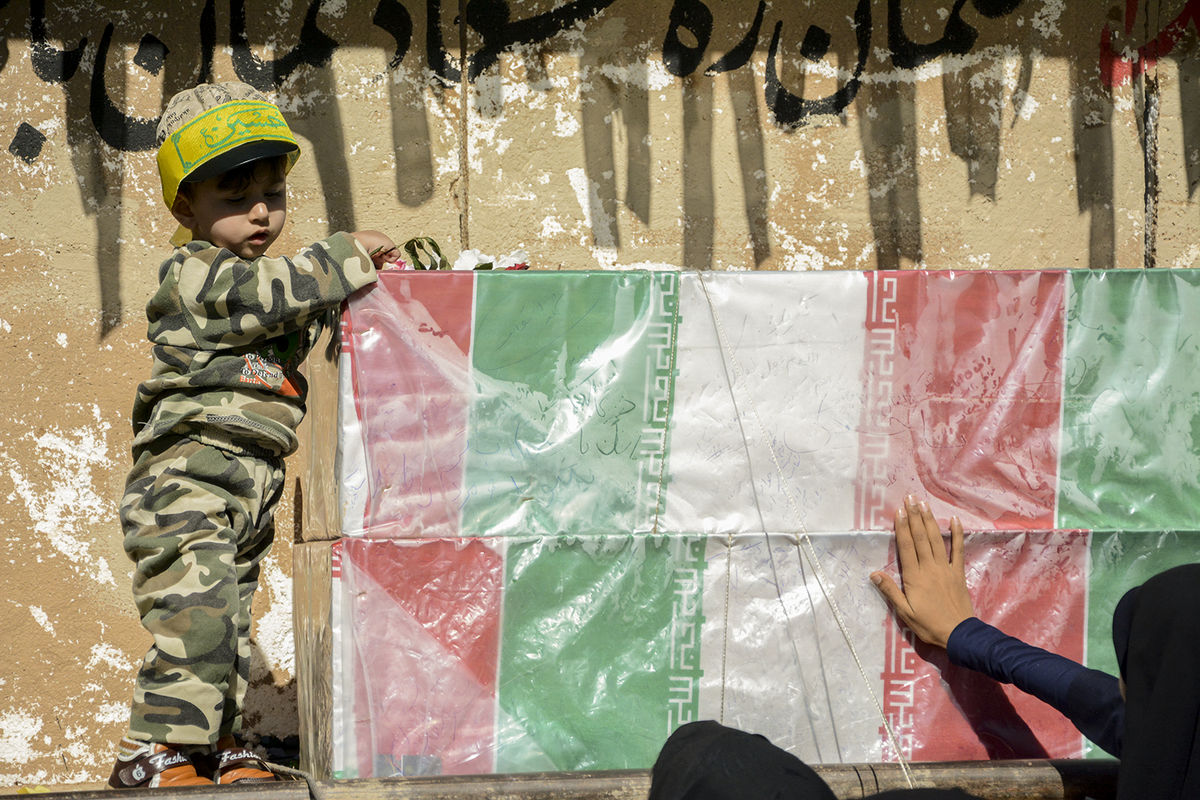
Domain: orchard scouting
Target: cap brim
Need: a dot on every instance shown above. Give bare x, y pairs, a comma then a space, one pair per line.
244, 154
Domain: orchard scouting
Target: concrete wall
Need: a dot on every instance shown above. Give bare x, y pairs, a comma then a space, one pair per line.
727, 134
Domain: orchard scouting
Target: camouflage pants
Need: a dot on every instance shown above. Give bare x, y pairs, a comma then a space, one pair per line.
197, 522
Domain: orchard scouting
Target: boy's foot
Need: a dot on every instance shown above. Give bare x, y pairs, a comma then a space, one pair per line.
237, 764
148, 765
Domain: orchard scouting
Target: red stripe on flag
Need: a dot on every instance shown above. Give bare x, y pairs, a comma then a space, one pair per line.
411, 338
426, 637
962, 389
1030, 585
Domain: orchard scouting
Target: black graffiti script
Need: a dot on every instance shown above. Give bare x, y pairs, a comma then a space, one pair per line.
687, 37
791, 110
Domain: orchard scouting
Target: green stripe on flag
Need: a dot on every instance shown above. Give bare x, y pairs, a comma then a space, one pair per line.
1131, 421
572, 381
599, 656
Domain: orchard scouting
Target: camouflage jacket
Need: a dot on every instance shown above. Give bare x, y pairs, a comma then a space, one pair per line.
229, 336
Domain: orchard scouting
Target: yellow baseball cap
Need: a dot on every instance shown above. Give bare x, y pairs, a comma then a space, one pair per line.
214, 127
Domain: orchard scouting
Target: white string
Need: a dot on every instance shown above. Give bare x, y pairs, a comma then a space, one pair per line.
778, 584
809, 552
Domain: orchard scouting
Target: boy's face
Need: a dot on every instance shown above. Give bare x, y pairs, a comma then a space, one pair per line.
245, 218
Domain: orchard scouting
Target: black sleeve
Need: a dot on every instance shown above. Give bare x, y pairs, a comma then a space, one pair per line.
1089, 698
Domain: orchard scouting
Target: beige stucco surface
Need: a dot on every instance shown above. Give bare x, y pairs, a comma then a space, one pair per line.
581, 148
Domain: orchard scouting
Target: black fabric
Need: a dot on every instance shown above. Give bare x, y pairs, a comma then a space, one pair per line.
1122, 618
709, 761
1094, 704
1156, 630
1089, 698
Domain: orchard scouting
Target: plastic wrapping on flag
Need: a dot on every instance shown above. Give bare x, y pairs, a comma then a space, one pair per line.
575, 510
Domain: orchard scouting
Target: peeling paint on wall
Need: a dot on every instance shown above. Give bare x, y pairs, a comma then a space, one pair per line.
17, 729
58, 508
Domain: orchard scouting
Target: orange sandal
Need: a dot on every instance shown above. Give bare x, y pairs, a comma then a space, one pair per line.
237, 764
149, 765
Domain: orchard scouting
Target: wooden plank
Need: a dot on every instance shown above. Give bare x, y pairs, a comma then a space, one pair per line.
991, 780
320, 516
1073, 779
313, 582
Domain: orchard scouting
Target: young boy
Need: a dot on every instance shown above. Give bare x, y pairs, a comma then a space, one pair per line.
213, 423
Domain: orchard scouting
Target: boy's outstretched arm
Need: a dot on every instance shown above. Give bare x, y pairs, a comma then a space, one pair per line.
935, 598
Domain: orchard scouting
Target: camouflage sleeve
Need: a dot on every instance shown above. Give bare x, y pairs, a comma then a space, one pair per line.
210, 299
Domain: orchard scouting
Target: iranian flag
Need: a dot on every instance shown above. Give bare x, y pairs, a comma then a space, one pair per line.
579, 509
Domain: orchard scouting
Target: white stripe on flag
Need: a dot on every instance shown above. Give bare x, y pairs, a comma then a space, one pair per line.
788, 371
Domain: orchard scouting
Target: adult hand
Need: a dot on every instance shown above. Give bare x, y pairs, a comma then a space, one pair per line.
935, 596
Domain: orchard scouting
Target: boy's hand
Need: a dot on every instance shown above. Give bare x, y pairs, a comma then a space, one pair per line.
383, 251
935, 596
